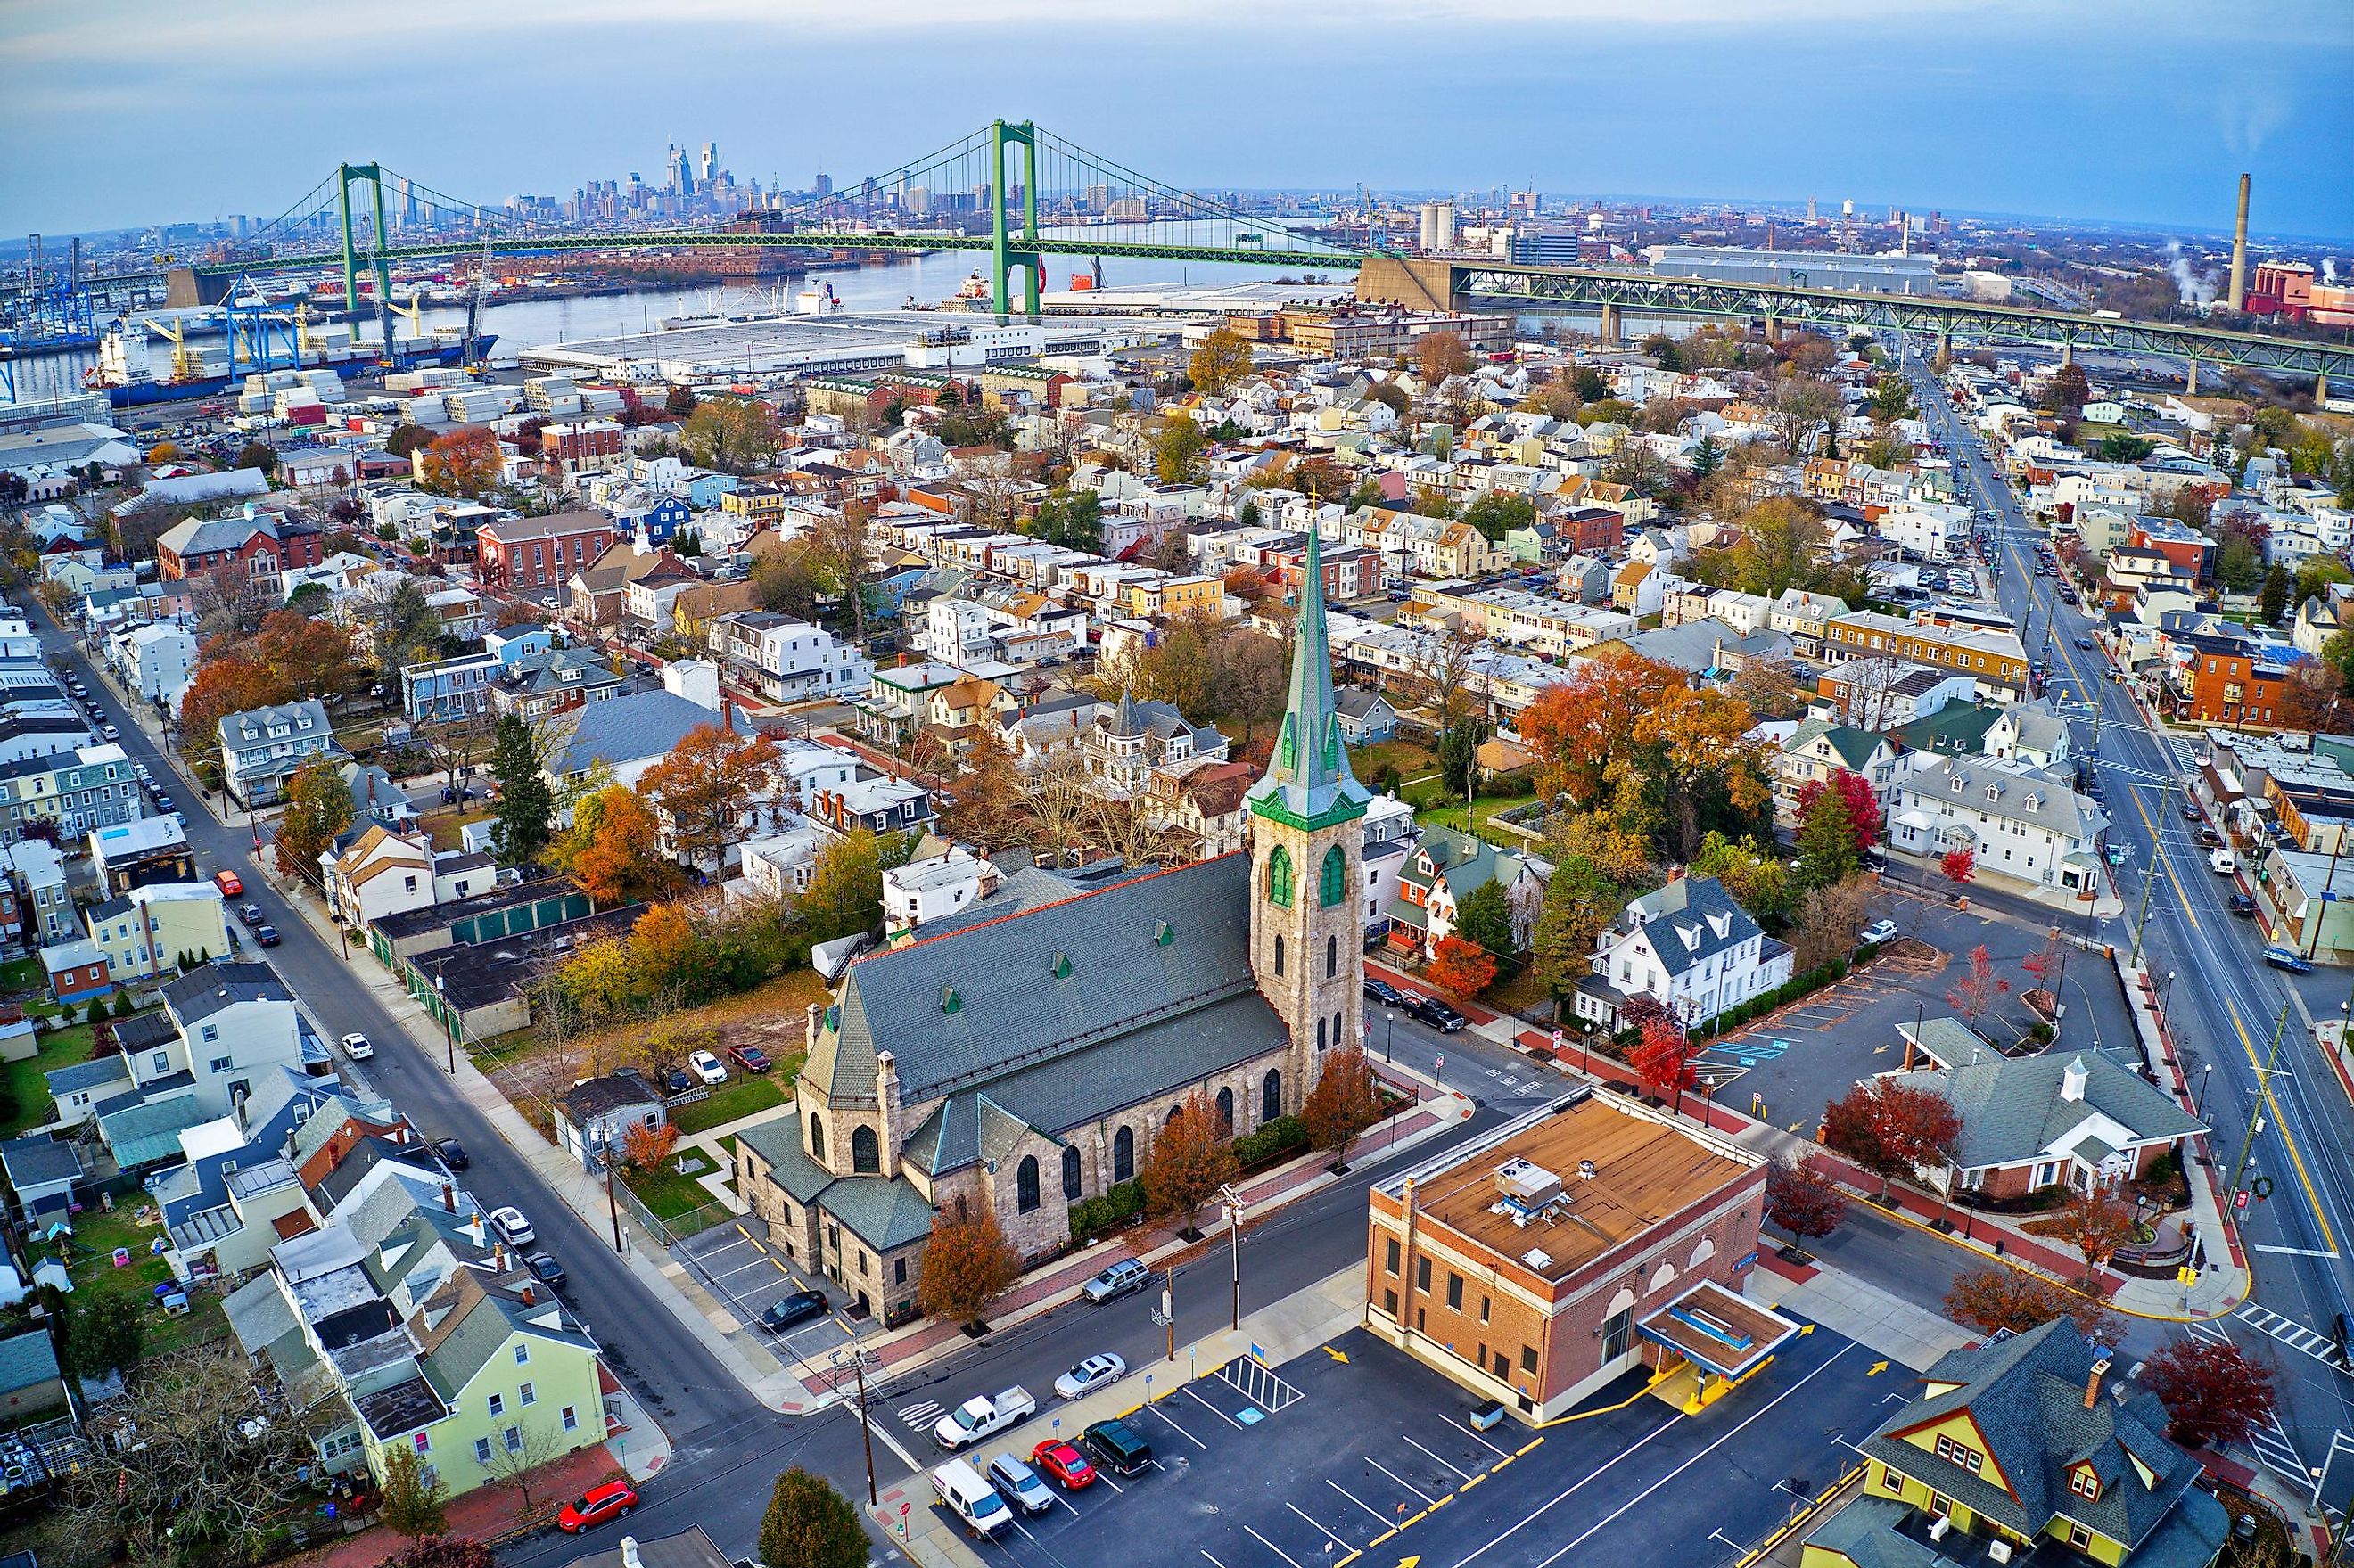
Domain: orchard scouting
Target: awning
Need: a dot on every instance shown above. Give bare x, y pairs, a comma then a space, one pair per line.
1717, 1330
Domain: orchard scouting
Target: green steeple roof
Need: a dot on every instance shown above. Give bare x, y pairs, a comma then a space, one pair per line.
1308, 782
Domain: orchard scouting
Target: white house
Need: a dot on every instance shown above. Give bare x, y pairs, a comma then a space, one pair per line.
1930, 531
1688, 945
383, 872
156, 659
2019, 823
923, 891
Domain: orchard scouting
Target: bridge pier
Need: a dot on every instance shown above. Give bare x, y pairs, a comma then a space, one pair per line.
1610, 327
1773, 329
2067, 354
2321, 386
2190, 382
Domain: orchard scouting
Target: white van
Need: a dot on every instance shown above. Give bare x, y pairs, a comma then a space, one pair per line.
2224, 862
962, 1491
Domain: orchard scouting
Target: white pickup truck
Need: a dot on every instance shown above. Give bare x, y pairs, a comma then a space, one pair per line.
981, 1417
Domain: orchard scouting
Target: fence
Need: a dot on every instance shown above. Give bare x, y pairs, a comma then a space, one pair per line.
677, 1228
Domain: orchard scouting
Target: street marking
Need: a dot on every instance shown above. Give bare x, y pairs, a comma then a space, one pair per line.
1379, 1516
2291, 1251
2291, 1333
891, 1443
1271, 1546
1411, 1444
1214, 1562
915, 1415
1215, 1411
2278, 1452
2280, 1125
1401, 1480
1304, 1514
1475, 1437
1180, 1431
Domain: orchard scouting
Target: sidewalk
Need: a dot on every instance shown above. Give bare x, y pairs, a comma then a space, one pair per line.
1851, 1305
485, 1513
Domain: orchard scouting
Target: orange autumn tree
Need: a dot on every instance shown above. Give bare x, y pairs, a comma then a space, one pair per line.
463, 462
1461, 968
711, 778
610, 848
231, 683
666, 952
311, 657
643, 1147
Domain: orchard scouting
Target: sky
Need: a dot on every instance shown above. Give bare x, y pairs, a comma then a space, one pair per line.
120, 111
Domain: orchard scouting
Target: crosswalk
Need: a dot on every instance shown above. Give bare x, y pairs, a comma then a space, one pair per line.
2272, 1444
2292, 1334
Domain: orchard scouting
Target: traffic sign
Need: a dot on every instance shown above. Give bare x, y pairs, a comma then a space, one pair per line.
903, 1509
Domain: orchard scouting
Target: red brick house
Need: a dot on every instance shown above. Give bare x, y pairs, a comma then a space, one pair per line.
1589, 530
523, 553
261, 543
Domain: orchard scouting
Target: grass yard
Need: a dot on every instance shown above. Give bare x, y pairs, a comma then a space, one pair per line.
20, 974
1411, 761
669, 1195
96, 1236
28, 1092
1489, 807
445, 826
746, 1094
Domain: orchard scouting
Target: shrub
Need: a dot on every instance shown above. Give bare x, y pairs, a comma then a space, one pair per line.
2165, 1168
1868, 952
1285, 1134
1107, 1210
2040, 1032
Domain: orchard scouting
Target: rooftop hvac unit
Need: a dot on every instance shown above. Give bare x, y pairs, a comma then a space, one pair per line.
1537, 1258
1938, 1531
1997, 1551
1527, 1185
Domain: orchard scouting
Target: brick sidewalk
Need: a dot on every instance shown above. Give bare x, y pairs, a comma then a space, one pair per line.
483, 1514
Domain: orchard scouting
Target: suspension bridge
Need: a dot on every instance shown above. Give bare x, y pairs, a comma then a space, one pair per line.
1020, 194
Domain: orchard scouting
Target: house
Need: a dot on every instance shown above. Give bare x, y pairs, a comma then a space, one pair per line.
88, 788
538, 684
874, 802
1131, 742
537, 554
2017, 822
144, 850
42, 1172
1366, 716
787, 659
382, 872
2024, 1443
150, 930
1996, 658
77, 971
1816, 750
629, 734
593, 1116
1687, 945
2075, 1120
1442, 870
255, 543
1538, 1262
232, 1022
46, 907
30, 1380
261, 747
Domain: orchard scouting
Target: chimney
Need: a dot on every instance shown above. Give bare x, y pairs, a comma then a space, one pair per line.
499, 1257
816, 1023
527, 1293
2071, 1080
2092, 1382
887, 1095
448, 1198
2240, 252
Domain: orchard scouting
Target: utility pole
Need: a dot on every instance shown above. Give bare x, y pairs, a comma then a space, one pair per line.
612, 1204
1233, 1206
1168, 1308
2255, 1109
857, 1355
2141, 920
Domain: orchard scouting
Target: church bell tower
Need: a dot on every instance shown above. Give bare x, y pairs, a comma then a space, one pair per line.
1307, 932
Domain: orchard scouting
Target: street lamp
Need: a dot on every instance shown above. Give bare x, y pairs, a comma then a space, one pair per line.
2199, 1101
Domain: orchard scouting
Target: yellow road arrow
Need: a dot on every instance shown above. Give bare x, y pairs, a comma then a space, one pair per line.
1408, 1561
1342, 1357
1877, 1368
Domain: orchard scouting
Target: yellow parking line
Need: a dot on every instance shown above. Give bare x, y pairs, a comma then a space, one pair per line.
1377, 1539
1501, 1463
1468, 1485
757, 1244
1538, 1443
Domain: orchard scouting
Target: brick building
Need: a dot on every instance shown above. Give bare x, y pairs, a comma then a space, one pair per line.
541, 552
2227, 680
588, 446
1561, 1250
260, 544
1588, 530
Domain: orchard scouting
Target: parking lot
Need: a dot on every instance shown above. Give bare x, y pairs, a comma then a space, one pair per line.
749, 1275
1355, 1449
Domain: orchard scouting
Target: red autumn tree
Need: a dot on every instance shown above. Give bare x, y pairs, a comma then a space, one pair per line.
463, 462
1890, 1129
1976, 991
1801, 1199
1663, 1059
644, 1147
2212, 1392
1856, 799
1959, 865
231, 683
1461, 968
2096, 1224
2004, 1298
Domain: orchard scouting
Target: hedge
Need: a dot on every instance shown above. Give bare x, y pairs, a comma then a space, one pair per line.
1789, 990
1109, 1210
1283, 1136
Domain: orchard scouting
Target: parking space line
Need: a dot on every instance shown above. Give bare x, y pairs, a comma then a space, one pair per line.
1320, 1529
1379, 1516
1474, 1436
1214, 1410
1180, 1431
1411, 1444
1107, 1480
1401, 1480
1271, 1546
1213, 1562
758, 1244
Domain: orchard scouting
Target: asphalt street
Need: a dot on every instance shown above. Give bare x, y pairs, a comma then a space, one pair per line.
2224, 1002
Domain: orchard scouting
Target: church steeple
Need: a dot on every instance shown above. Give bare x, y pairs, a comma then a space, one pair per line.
1308, 782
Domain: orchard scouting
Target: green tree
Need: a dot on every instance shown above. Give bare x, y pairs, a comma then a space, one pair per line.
1071, 518
1891, 401
2238, 566
2317, 573
412, 1498
811, 1525
526, 806
734, 435
107, 1334
258, 454
1177, 456
406, 440
2123, 448
1825, 841
1458, 753
1579, 901
1485, 918
1496, 514
2271, 601
1706, 458
845, 886
318, 808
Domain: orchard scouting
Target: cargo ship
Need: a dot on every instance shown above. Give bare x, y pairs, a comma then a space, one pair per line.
132, 374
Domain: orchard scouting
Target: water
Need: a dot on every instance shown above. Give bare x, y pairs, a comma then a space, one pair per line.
928, 278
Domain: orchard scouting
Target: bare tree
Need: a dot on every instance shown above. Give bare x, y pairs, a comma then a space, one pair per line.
1440, 665
518, 1451
1868, 692
455, 745
1059, 802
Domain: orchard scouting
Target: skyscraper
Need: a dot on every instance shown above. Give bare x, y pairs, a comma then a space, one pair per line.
709, 165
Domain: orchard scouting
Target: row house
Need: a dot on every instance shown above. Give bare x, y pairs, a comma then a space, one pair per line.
1994, 658
1745, 612
2220, 679
588, 446
537, 553
2017, 822
260, 544
787, 659
79, 791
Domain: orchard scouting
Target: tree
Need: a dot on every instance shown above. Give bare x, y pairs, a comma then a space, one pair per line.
219, 1462
1580, 900
1758, 878
845, 886
1223, 360
258, 454
2238, 564
643, 1147
2122, 447
1440, 355
987, 812
1975, 992
1485, 917
1801, 1199
967, 1264
516, 1461
1663, 1058
407, 441
2317, 573
679, 401
231, 683
2272, 599
1802, 406
1828, 918
318, 808
1190, 1159
107, 1334
610, 848
411, 1499
1344, 1101
706, 783
1838, 819
2065, 390
403, 627
1996, 1299
666, 953
1496, 513
811, 1525
1891, 401
1959, 864
734, 435
1177, 455
1890, 1129
1461, 968
1071, 518
1249, 678
526, 806
2313, 698
442, 1551
2096, 1224
464, 462
2213, 1392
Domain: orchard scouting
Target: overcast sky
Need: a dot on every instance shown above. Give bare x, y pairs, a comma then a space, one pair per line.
115, 112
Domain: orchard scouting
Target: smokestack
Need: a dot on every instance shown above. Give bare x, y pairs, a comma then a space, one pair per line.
2240, 252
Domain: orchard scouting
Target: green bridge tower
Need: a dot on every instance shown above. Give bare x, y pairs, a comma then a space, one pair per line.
347, 175
1006, 250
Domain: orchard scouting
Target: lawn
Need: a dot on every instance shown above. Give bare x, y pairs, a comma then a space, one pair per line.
1489, 807
1412, 761
28, 1092
19, 974
669, 1195
446, 826
97, 1234
744, 1095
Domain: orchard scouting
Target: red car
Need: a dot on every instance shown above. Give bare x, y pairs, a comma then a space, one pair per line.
1065, 1463
751, 1058
611, 1500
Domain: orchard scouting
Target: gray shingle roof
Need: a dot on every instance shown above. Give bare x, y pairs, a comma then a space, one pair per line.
881, 1213
2012, 1109
960, 1010
208, 989
2020, 796
89, 1074
26, 1359
1692, 919
620, 730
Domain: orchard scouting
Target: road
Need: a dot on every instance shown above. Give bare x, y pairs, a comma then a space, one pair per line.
2224, 1002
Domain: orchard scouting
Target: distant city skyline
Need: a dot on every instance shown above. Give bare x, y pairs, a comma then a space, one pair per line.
2131, 113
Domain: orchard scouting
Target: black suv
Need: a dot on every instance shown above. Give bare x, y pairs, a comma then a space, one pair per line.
1380, 991
1436, 1011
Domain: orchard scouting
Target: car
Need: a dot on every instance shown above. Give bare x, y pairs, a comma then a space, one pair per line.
1095, 1372
357, 1048
110, 732
751, 1058
707, 1067
2288, 959
2085, 644
2243, 906
677, 1081
545, 1269
2190, 809
2222, 862
251, 913
2209, 837
1436, 1011
1121, 1278
266, 934
786, 1312
1380, 991
454, 1154
165, 803
2120, 853
1020, 1484
1879, 931
597, 1505
1065, 1463
229, 882
513, 1226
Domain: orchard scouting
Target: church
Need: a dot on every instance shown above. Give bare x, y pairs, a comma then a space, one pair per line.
1019, 1056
